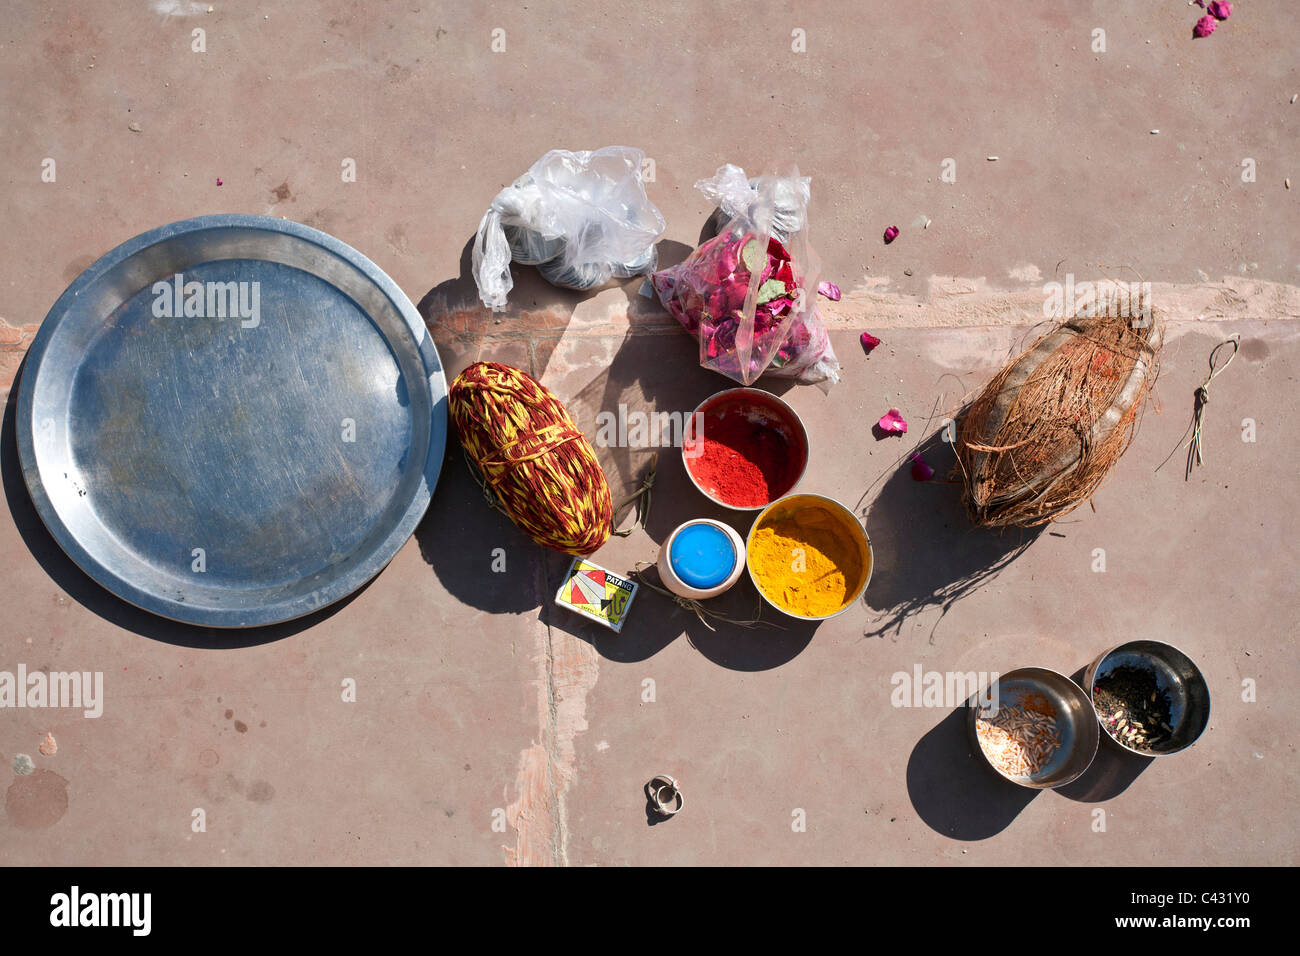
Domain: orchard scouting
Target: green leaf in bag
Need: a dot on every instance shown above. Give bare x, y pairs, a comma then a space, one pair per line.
749, 254
769, 290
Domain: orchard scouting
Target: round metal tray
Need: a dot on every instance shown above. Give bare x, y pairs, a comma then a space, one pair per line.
247, 452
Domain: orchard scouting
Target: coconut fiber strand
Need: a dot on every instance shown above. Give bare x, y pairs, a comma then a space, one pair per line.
530, 453
1045, 432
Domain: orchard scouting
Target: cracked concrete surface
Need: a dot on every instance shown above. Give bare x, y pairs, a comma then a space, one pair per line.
569, 669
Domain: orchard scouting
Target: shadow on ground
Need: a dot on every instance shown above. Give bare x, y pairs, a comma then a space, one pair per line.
957, 794
89, 594
1112, 771
460, 516
536, 317
954, 790
655, 621
654, 369
459, 535
657, 370
935, 557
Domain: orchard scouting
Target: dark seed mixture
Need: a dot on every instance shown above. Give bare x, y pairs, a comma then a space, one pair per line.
1133, 707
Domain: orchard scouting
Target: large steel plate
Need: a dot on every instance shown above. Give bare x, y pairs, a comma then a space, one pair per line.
248, 451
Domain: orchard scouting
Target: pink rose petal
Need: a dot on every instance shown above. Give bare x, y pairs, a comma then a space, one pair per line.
869, 342
830, 290
1220, 9
920, 470
892, 421
218, 180
1204, 26
892, 232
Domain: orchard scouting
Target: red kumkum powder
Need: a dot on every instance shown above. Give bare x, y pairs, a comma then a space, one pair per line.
746, 460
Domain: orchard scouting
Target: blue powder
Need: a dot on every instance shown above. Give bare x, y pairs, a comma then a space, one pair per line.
702, 556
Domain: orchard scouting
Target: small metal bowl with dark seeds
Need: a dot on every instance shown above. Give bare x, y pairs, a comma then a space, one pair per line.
1149, 697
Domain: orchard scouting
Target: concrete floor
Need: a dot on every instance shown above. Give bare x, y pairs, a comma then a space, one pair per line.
490, 728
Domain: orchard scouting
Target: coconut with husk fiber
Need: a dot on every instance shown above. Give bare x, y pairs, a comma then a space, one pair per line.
1044, 433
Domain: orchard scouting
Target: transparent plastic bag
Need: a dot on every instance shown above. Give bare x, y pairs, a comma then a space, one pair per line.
749, 294
737, 197
581, 218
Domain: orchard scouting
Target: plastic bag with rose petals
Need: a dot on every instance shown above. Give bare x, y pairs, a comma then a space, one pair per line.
749, 294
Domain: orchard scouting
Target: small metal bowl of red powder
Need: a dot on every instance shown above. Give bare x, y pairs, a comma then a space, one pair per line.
744, 448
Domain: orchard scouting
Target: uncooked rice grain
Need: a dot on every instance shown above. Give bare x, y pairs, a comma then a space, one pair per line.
1017, 741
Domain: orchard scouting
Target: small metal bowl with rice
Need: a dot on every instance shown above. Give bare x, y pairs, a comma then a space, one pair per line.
1034, 727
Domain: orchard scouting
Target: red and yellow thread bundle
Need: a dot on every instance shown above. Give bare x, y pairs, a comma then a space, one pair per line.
541, 467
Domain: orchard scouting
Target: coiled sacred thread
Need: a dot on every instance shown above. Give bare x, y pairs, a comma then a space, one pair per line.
530, 454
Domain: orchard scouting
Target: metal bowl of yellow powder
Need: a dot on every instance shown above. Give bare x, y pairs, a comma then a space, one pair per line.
809, 556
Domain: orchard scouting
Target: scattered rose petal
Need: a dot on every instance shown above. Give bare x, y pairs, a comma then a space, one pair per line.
869, 342
830, 290
48, 746
920, 470
1204, 26
892, 232
218, 180
1220, 9
892, 421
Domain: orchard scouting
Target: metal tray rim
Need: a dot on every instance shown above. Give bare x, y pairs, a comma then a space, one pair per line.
280, 611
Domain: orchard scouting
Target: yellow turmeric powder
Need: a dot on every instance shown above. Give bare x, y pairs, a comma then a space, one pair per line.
806, 561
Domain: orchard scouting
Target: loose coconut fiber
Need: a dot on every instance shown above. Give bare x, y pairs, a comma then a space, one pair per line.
1044, 433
